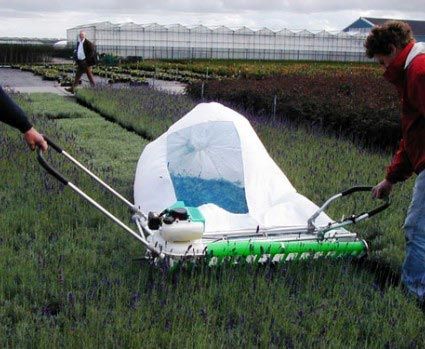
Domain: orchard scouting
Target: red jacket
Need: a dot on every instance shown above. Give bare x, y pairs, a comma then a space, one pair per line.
407, 73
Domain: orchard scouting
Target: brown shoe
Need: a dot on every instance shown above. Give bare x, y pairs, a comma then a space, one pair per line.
70, 90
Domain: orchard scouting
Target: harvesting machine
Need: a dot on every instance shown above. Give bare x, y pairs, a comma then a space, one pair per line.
208, 188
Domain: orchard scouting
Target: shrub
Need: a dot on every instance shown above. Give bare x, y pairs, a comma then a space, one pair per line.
17, 53
358, 105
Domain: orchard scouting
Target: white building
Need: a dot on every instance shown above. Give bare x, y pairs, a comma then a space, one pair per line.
365, 24
180, 42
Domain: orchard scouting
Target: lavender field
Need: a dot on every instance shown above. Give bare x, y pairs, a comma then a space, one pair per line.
69, 277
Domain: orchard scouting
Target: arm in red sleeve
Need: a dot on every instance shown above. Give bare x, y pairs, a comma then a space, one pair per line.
417, 87
400, 168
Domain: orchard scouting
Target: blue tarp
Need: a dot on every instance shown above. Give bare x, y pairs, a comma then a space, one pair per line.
195, 191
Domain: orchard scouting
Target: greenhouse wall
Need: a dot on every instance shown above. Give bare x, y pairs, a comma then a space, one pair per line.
154, 41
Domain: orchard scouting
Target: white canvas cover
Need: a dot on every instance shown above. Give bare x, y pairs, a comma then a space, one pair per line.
213, 159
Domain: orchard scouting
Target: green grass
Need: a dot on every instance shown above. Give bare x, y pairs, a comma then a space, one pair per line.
54, 106
67, 278
150, 113
108, 148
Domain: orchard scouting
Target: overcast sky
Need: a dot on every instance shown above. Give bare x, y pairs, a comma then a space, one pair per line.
51, 18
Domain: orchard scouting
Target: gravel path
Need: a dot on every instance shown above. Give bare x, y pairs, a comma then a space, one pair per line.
27, 82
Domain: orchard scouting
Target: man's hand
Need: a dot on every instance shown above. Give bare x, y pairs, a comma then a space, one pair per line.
382, 189
33, 139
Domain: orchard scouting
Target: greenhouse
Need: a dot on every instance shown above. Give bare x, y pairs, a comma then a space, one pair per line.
154, 41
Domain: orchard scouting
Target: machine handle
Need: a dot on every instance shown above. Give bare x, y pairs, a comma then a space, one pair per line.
86, 170
356, 189
49, 168
63, 180
53, 145
380, 208
353, 218
372, 212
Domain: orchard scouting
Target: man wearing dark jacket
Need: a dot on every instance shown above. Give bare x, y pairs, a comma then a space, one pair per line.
85, 58
404, 60
11, 114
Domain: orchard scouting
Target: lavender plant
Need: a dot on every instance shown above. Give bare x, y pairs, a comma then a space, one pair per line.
150, 112
68, 278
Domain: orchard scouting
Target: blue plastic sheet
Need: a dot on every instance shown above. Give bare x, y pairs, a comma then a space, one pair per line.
195, 191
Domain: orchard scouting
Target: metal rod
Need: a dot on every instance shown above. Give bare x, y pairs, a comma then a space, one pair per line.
260, 231
114, 219
141, 230
279, 238
97, 179
275, 230
279, 230
310, 221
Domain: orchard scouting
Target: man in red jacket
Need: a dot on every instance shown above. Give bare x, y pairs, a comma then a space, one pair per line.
393, 46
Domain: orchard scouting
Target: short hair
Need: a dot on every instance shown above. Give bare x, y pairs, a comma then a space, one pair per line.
393, 32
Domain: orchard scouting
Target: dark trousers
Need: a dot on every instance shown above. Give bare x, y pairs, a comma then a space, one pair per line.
82, 68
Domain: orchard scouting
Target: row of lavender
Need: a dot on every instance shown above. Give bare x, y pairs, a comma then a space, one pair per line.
68, 278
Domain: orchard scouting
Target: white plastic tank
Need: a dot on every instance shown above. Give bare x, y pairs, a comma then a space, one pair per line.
182, 231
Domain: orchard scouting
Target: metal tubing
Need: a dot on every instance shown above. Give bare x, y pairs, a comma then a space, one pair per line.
142, 228
282, 237
310, 221
141, 232
354, 219
258, 231
97, 179
114, 219
275, 231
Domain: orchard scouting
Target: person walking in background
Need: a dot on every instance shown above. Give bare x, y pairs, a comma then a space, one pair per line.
13, 115
85, 58
393, 46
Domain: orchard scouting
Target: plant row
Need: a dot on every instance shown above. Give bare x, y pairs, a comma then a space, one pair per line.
358, 106
64, 74
143, 110
60, 73
216, 69
67, 277
153, 72
193, 71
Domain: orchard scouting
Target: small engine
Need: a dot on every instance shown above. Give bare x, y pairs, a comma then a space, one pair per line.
178, 223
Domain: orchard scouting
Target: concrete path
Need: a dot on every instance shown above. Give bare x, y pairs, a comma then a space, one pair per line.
27, 82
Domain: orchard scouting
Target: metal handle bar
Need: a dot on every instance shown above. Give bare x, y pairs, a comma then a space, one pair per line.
52, 171
49, 168
374, 211
58, 176
353, 218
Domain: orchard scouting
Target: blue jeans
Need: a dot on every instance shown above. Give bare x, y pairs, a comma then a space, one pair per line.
413, 274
